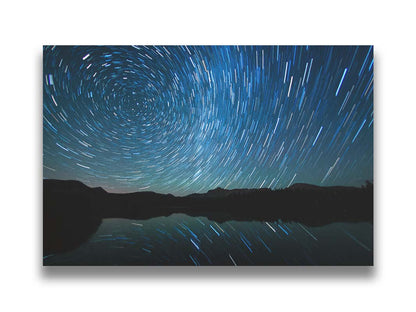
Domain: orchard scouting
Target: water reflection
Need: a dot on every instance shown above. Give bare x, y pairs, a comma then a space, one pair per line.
183, 240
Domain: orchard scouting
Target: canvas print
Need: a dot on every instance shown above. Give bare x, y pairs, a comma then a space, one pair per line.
208, 155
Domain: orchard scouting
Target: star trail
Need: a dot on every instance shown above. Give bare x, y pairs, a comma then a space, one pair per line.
185, 119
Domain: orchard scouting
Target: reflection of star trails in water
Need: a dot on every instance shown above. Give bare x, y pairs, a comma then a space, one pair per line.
180, 239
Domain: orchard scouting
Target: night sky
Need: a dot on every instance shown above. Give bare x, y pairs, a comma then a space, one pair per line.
189, 119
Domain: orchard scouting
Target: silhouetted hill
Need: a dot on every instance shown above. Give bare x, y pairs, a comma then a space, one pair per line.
221, 193
73, 211
304, 186
312, 187
70, 214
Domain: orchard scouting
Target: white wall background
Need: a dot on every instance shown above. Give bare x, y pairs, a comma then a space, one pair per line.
27, 25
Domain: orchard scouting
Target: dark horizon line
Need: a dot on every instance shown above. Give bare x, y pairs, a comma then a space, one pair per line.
263, 188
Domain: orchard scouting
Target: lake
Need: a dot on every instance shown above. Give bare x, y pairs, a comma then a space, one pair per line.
183, 240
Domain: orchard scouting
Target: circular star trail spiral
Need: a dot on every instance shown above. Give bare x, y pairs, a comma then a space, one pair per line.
180, 119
